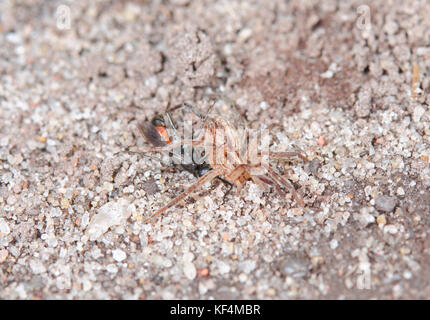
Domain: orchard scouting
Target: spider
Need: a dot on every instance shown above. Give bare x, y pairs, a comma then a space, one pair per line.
230, 154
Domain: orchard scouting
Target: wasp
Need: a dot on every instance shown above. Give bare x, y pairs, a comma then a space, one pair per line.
156, 133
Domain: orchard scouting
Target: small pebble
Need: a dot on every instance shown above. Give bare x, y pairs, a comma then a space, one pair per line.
392, 229
418, 113
118, 255
407, 275
400, 191
107, 186
321, 141
111, 214
381, 220
385, 203
37, 266
244, 35
364, 217
243, 277
295, 265
189, 270
247, 266
223, 267
111, 268
204, 272
4, 227
333, 244
65, 203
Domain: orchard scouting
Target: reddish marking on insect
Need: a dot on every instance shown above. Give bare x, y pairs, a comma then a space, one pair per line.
155, 132
150, 241
163, 134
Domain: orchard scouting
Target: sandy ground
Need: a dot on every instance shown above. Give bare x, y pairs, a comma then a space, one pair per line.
348, 84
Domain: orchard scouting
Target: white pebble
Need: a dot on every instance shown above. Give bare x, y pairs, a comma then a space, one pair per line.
167, 295
188, 256
223, 267
227, 50
4, 227
111, 214
327, 74
37, 266
13, 38
96, 253
111, 268
243, 277
85, 219
52, 241
407, 274
87, 285
55, 212
247, 266
244, 35
333, 244
254, 194
118, 255
390, 229
107, 186
418, 113
189, 270
400, 191
364, 217
160, 261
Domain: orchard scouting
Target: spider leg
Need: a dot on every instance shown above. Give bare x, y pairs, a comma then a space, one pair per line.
287, 155
262, 181
230, 186
283, 182
200, 182
258, 181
